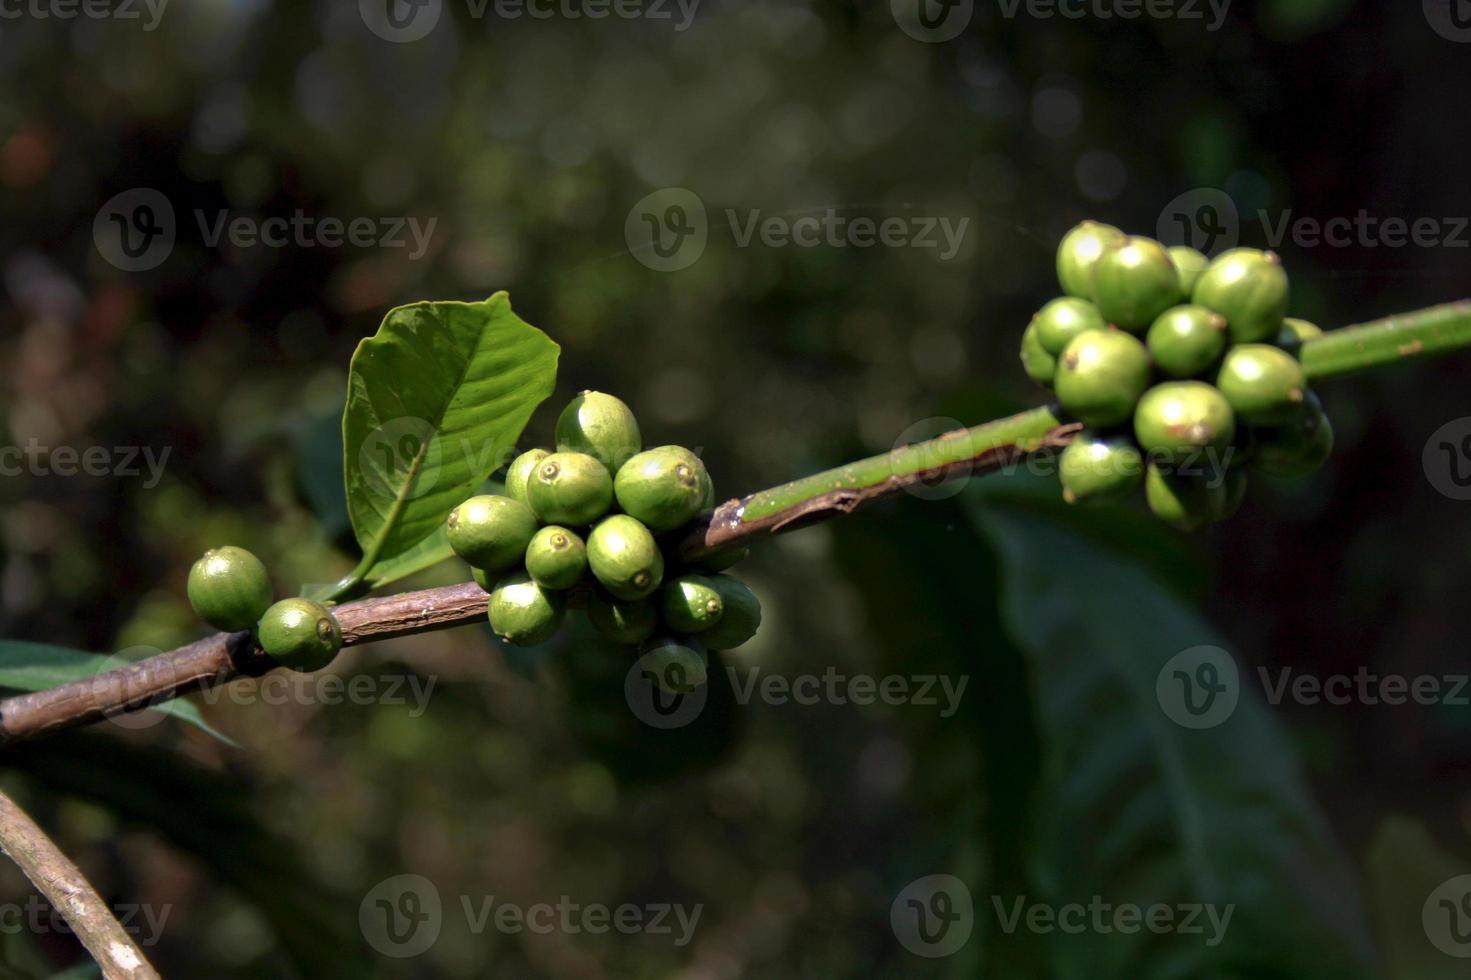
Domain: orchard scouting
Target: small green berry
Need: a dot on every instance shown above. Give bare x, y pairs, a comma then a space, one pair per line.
690, 604
677, 666
519, 473
721, 560
556, 557
570, 488
1061, 320
601, 426
1079, 252
1247, 287
1264, 384
625, 558
1186, 340
1295, 333
663, 487
621, 620
1094, 467
1300, 447
523, 613
1190, 264
229, 588
1134, 282
1187, 501
1179, 420
742, 616
486, 580
1101, 375
300, 634
1040, 366
491, 532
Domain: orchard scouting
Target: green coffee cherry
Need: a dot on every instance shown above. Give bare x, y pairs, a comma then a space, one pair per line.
1295, 333
523, 613
300, 634
1079, 252
625, 558
486, 580
662, 487
622, 621
742, 616
1134, 282
491, 532
519, 472
1040, 366
677, 666
556, 558
1061, 320
570, 488
690, 604
1180, 420
1101, 375
229, 588
1096, 468
1186, 501
1264, 384
1189, 263
1299, 448
1247, 287
1186, 340
601, 426
708, 502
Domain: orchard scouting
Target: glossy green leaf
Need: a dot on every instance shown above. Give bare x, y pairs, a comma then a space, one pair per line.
426, 554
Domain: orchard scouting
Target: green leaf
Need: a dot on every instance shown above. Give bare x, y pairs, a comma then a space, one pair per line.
426, 554
1137, 809
39, 667
436, 400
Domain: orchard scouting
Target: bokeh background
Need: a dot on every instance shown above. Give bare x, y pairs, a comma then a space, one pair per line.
521, 776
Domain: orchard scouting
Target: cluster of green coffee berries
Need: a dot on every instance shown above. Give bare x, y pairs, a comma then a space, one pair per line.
581, 527
230, 590
1183, 368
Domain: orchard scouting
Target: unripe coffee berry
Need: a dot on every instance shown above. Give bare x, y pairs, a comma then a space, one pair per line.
229, 588
1134, 282
523, 613
1101, 375
556, 558
625, 558
690, 604
620, 620
1187, 501
1093, 467
1298, 448
1061, 320
519, 473
741, 618
601, 426
1295, 333
1189, 263
1079, 252
570, 488
1183, 420
677, 666
1249, 288
662, 487
1040, 366
491, 532
300, 634
1264, 384
1186, 340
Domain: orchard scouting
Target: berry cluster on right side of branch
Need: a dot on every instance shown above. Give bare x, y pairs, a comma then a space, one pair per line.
1184, 369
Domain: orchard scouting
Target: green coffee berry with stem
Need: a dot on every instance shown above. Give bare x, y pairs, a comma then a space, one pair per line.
1184, 420
1249, 288
1101, 375
601, 426
1186, 340
1186, 500
491, 532
1064, 318
1134, 282
1039, 365
625, 558
519, 473
1094, 467
741, 617
1295, 333
676, 665
1298, 448
300, 634
690, 604
570, 488
523, 613
556, 558
622, 621
1079, 253
1189, 263
229, 588
663, 487
1264, 384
